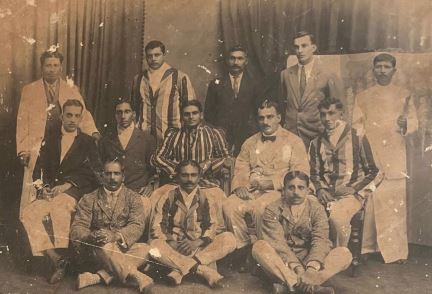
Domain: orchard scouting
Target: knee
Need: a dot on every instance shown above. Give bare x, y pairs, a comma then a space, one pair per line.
342, 254
339, 220
157, 243
228, 241
230, 205
259, 247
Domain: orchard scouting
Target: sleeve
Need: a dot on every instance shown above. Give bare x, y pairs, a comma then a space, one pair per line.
80, 228
161, 228
273, 233
315, 167
299, 158
135, 224
187, 91
162, 159
320, 243
210, 104
209, 234
242, 168
220, 149
412, 118
22, 128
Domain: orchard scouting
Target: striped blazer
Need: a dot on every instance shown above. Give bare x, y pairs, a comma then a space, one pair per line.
201, 144
349, 163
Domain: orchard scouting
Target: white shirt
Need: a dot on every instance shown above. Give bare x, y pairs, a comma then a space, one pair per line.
66, 142
297, 210
155, 76
308, 69
112, 196
188, 197
337, 132
124, 135
240, 76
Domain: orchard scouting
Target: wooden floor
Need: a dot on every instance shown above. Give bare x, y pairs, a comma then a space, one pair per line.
373, 277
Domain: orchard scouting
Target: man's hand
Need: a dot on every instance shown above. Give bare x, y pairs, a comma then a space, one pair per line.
205, 165
344, 191
146, 190
324, 196
61, 188
104, 236
242, 193
97, 136
186, 246
24, 158
299, 270
262, 184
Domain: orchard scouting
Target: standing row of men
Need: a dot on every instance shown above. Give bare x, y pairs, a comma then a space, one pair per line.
341, 167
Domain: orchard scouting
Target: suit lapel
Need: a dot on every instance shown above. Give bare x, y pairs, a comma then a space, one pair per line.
134, 136
195, 204
72, 149
120, 204
305, 215
310, 83
294, 84
178, 200
103, 203
343, 137
287, 215
227, 88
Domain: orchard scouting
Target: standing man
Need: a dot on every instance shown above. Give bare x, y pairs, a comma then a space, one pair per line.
303, 86
387, 114
263, 161
108, 222
66, 169
185, 229
158, 92
133, 146
295, 250
39, 114
232, 100
342, 167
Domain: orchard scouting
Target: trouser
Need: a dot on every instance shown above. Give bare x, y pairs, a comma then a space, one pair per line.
341, 213
222, 245
60, 210
235, 210
119, 263
336, 261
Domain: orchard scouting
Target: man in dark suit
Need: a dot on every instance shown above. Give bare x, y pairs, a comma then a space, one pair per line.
112, 219
133, 146
66, 169
302, 86
232, 100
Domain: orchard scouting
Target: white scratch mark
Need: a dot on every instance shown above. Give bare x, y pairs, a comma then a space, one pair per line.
154, 252
70, 82
217, 82
405, 175
101, 24
428, 148
81, 44
5, 12
31, 41
54, 18
31, 3
51, 106
53, 48
220, 41
204, 68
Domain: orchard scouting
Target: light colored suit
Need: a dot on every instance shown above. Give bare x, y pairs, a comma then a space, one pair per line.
31, 121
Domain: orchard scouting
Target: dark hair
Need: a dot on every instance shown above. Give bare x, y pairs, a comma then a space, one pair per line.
121, 100
236, 48
187, 162
72, 102
155, 44
291, 175
193, 102
269, 104
117, 160
50, 54
385, 57
329, 101
302, 34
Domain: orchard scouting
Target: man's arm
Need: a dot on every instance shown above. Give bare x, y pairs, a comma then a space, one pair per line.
80, 228
211, 104
220, 149
161, 228
315, 162
22, 129
242, 168
162, 158
135, 224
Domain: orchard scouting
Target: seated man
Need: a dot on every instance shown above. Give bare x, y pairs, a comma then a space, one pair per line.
185, 229
65, 170
111, 220
133, 146
342, 166
259, 169
295, 250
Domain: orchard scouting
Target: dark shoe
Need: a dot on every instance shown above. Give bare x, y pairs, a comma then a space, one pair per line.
323, 290
59, 271
174, 278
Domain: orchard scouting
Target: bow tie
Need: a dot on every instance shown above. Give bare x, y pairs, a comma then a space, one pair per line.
268, 138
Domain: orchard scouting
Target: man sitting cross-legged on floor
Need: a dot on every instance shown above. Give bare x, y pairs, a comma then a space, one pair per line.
185, 227
295, 249
108, 222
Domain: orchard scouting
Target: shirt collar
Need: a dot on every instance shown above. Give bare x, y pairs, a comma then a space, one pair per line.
186, 194
161, 69
115, 193
275, 133
51, 85
239, 76
308, 67
129, 129
68, 134
338, 130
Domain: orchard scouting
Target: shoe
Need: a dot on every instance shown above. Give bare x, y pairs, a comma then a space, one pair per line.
59, 271
323, 290
87, 279
174, 278
210, 275
279, 288
144, 282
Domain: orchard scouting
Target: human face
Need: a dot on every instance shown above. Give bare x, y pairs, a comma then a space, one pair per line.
191, 116
188, 178
113, 176
51, 69
330, 117
295, 191
155, 58
384, 71
237, 62
304, 49
268, 120
71, 118
124, 115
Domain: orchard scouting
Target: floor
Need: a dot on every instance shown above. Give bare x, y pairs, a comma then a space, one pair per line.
373, 277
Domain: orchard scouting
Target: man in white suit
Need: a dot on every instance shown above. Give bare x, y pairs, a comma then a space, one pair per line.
39, 113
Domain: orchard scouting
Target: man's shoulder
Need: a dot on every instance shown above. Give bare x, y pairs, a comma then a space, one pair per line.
275, 206
129, 193
85, 138
90, 197
252, 139
292, 138
30, 87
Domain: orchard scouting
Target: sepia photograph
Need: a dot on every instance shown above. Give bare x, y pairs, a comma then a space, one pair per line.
216, 146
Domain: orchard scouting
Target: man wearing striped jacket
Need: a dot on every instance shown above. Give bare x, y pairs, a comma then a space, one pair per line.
342, 168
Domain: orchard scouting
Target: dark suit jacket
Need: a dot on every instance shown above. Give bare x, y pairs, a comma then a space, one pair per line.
93, 213
234, 115
301, 113
301, 241
136, 156
80, 166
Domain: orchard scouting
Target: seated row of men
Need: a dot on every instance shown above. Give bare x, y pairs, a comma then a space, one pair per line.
187, 218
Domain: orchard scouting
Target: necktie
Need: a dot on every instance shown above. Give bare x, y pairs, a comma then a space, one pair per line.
236, 85
302, 81
111, 200
268, 138
51, 94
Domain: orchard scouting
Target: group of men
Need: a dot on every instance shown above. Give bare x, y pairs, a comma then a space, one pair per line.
149, 190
